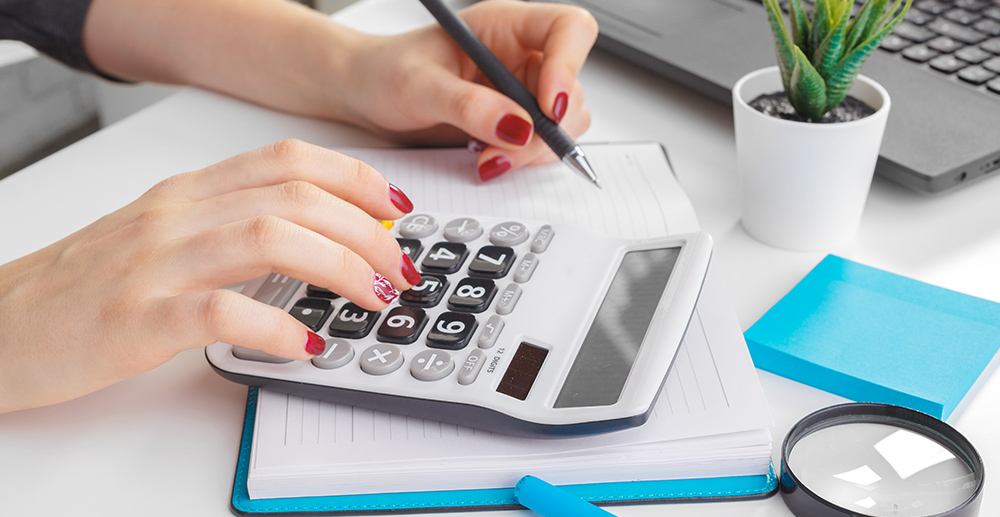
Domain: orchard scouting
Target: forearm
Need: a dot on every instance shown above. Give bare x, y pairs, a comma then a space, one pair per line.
272, 52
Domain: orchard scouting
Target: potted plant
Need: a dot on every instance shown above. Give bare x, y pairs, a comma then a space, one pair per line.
807, 151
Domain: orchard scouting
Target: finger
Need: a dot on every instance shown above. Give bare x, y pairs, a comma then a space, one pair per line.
308, 206
479, 110
202, 318
347, 178
254, 247
494, 162
563, 34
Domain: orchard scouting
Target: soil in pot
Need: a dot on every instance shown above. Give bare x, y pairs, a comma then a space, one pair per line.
777, 105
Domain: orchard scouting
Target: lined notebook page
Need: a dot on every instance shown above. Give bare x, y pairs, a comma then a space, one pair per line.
711, 400
639, 198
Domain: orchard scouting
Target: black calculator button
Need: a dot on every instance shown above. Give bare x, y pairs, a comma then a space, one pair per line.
403, 325
410, 248
492, 262
353, 322
472, 295
445, 257
319, 292
312, 312
428, 293
452, 331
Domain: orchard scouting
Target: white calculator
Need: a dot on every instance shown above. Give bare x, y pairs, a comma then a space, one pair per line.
519, 327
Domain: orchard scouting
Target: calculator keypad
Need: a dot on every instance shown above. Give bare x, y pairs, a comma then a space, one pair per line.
461, 300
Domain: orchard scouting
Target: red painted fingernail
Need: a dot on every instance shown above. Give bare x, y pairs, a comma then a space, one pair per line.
383, 288
494, 167
476, 145
315, 344
514, 129
559, 107
399, 199
410, 273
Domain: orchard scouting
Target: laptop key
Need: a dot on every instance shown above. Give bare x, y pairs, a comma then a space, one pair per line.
944, 44
918, 17
956, 31
992, 12
993, 65
920, 54
988, 27
992, 45
893, 43
972, 5
962, 16
974, 55
932, 6
976, 75
913, 33
948, 64
994, 85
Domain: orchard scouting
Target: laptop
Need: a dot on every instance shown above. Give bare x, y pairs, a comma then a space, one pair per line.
943, 130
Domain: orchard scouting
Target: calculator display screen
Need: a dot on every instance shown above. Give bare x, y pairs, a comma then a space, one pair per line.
605, 359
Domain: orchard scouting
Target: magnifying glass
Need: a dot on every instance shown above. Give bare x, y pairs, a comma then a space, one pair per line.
879, 460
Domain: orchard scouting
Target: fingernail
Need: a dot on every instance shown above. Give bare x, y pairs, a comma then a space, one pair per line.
494, 167
383, 288
410, 272
399, 199
315, 344
476, 145
559, 107
514, 129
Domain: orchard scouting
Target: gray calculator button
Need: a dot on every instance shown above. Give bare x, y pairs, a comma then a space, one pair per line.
510, 233
381, 358
463, 230
508, 299
491, 330
417, 226
431, 365
470, 370
249, 354
542, 239
338, 353
525, 268
276, 290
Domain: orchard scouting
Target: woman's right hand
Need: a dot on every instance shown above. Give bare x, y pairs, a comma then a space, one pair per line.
136, 287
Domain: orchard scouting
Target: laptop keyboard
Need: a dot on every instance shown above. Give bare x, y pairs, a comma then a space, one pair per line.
959, 38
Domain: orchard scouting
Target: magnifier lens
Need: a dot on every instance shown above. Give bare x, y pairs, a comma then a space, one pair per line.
878, 465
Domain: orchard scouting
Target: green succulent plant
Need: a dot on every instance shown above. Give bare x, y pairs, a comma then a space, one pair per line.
821, 58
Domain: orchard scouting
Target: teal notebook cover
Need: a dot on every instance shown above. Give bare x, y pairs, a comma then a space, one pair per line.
636, 492
873, 336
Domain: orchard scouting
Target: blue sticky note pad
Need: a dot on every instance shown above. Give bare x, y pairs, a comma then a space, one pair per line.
873, 336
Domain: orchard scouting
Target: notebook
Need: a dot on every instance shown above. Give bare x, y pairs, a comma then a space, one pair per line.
709, 436
943, 130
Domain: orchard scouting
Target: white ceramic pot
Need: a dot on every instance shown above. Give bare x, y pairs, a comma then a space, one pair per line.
803, 185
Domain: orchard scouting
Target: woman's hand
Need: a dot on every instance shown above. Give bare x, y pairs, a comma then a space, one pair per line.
421, 88
136, 287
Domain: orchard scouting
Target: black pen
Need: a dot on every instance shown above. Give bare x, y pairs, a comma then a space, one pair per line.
504, 80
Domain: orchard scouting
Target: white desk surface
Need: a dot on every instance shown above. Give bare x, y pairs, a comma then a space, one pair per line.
165, 443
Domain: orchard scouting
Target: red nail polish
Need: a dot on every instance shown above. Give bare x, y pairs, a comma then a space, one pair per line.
383, 288
514, 129
494, 167
476, 145
559, 107
410, 272
399, 199
315, 344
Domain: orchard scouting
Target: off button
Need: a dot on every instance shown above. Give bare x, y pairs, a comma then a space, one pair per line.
470, 370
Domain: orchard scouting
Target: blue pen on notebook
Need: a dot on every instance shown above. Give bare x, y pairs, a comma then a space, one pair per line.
506, 83
551, 501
